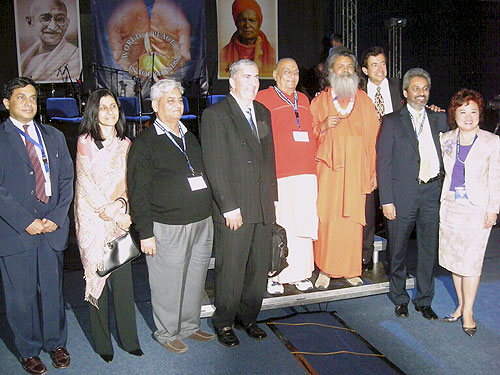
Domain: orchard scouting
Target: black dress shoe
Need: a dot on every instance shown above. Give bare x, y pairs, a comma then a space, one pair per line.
451, 319
470, 331
33, 365
368, 266
227, 337
107, 357
252, 330
60, 357
427, 312
136, 352
401, 310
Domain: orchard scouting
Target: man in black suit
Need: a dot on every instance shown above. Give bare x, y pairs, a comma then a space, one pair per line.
386, 95
36, 190
238, 153
409, 170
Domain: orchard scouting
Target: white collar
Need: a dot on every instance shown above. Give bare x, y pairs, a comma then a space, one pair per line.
160, 131
19, 124
413, 111
372, 86
242, 106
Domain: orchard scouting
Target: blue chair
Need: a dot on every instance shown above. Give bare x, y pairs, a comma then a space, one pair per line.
63, 109
212, 99
130, 107
185, 114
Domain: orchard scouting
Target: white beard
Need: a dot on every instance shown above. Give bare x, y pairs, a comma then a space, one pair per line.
344, 86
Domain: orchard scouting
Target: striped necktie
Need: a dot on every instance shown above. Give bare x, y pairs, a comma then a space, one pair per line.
35, 162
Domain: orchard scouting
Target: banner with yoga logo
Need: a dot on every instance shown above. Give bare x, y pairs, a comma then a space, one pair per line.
138, 42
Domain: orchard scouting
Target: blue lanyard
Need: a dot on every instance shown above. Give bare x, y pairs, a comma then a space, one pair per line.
421, 124
183, 149
294, 105
38, 144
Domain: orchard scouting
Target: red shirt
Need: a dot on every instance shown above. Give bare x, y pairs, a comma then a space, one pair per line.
292, 158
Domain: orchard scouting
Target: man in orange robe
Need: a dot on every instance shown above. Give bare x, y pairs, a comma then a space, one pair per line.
248, 42
345, 124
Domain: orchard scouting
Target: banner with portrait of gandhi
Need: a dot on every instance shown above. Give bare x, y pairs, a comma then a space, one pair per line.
148, 40
247, 29
48, 40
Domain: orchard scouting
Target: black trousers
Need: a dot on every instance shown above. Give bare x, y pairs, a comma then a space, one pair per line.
241, 266
369, 228
425, 215
120, 284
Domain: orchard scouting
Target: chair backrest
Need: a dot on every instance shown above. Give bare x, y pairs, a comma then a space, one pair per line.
212, 99
130, 105
62, 107
186, 105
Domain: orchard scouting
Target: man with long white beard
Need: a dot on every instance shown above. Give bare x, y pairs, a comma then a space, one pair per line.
345, 124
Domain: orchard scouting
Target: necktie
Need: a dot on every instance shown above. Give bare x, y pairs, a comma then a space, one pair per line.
251, 123
40, 178
379, 104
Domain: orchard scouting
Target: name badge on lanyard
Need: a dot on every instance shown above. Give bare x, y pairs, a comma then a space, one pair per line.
300, 136
195, 180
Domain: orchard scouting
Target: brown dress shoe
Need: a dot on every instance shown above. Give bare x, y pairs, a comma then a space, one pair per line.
176, 346
33, 365
201, 336
60, 357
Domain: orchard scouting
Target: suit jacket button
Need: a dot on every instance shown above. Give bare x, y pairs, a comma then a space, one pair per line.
32, 192
31, 173
35, 210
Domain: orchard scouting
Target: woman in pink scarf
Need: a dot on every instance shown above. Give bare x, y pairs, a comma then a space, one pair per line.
100, 217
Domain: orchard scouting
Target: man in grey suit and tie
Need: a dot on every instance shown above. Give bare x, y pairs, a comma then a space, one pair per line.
409, 170
238, 153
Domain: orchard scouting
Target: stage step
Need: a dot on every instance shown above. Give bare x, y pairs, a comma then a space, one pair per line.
375, 282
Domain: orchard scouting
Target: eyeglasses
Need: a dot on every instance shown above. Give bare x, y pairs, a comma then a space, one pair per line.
60, 19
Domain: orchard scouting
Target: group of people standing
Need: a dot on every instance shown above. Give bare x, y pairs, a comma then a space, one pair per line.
264, 157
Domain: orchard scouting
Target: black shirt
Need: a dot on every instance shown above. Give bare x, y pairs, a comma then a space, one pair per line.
157, 182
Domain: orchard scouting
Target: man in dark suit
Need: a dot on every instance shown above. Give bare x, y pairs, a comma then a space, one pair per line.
386, 94
36, 190
409, 170
238, 153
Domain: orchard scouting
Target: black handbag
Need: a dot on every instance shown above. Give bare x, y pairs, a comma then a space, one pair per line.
122, 250
279, 251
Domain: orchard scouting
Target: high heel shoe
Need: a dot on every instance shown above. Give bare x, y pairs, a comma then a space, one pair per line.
470, 331
451, 319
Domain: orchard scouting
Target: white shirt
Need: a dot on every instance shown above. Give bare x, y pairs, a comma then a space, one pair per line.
371, 90
429, 161
32, 133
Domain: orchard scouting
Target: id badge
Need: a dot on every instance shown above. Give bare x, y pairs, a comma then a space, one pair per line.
48, 187
460, 192
300, 136
197, 182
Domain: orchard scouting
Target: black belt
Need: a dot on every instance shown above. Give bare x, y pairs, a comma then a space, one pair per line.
435, 178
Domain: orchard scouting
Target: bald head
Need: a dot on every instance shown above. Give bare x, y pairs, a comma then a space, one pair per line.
286, 75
